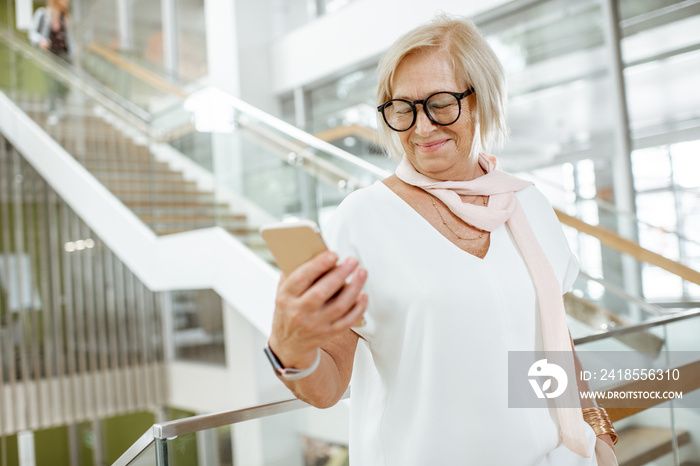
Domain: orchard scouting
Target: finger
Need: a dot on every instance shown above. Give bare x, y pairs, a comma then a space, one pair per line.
329, 284
309, 272
353, 317
340, 304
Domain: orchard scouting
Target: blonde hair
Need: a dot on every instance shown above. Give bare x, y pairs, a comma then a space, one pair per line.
473, 60
55, 6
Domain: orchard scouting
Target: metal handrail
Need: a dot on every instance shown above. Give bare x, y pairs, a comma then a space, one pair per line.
193, 424
302, 136
201, 422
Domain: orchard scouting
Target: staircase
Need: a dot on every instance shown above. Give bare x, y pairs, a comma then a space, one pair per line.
157, 194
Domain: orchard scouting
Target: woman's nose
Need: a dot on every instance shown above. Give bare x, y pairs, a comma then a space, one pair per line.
423, 124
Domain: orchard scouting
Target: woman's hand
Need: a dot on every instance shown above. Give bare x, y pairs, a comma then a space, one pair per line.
315, 304
44, 44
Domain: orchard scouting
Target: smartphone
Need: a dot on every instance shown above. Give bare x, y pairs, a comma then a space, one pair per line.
293, 243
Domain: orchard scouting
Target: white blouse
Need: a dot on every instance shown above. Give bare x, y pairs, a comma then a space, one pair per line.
430, 377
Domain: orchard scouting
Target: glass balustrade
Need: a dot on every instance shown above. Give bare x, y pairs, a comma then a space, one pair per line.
192, 164
663, 432
292, 433
146, 458
584, 203
101, 63
288, 432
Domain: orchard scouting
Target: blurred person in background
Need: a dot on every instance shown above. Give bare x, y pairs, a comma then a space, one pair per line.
51, 31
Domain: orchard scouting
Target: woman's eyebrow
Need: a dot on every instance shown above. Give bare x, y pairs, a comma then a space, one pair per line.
428, 94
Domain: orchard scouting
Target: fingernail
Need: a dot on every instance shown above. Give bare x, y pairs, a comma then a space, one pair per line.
331, 258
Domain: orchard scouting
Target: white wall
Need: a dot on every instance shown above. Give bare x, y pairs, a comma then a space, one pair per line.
354, 35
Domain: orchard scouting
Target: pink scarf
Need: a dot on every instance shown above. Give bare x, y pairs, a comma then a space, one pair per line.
503, 207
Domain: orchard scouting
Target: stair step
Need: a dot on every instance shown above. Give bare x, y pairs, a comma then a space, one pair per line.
175, 204
172, 231
194, 218
143, 184
160, 198
111, 175
182, 215
162, 191
127, 167
640, 445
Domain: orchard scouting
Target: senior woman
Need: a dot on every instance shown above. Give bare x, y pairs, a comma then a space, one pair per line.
465, 264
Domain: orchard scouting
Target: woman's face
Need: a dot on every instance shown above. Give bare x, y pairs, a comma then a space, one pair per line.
440, 152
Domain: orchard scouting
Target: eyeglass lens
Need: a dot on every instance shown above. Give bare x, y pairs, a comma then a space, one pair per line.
442, 108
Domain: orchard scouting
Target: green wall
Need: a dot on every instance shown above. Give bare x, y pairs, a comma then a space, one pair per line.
8, 450
51, 446
121, 432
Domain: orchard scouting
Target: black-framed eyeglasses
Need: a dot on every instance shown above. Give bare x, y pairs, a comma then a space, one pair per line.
442, 108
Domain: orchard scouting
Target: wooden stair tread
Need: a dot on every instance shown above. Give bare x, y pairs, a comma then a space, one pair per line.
168, 191
145, 181
640, 445
191, 218
170, 203
172, 231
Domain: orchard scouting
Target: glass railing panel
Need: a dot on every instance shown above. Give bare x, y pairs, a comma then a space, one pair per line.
596, 306
659, 435
641, 272
249, 169
110, 137
297, 438
262, 168
146, 95
662, 430
146, 458
652, 231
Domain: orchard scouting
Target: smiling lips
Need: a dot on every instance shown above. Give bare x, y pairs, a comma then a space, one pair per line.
431, 146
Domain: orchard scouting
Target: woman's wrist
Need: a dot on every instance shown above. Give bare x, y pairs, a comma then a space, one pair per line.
291, 373
292, 359
599, 421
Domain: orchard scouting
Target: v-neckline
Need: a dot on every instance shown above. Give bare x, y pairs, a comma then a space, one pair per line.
436, 231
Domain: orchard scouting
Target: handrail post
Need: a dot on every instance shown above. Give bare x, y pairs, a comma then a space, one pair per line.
161, 451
